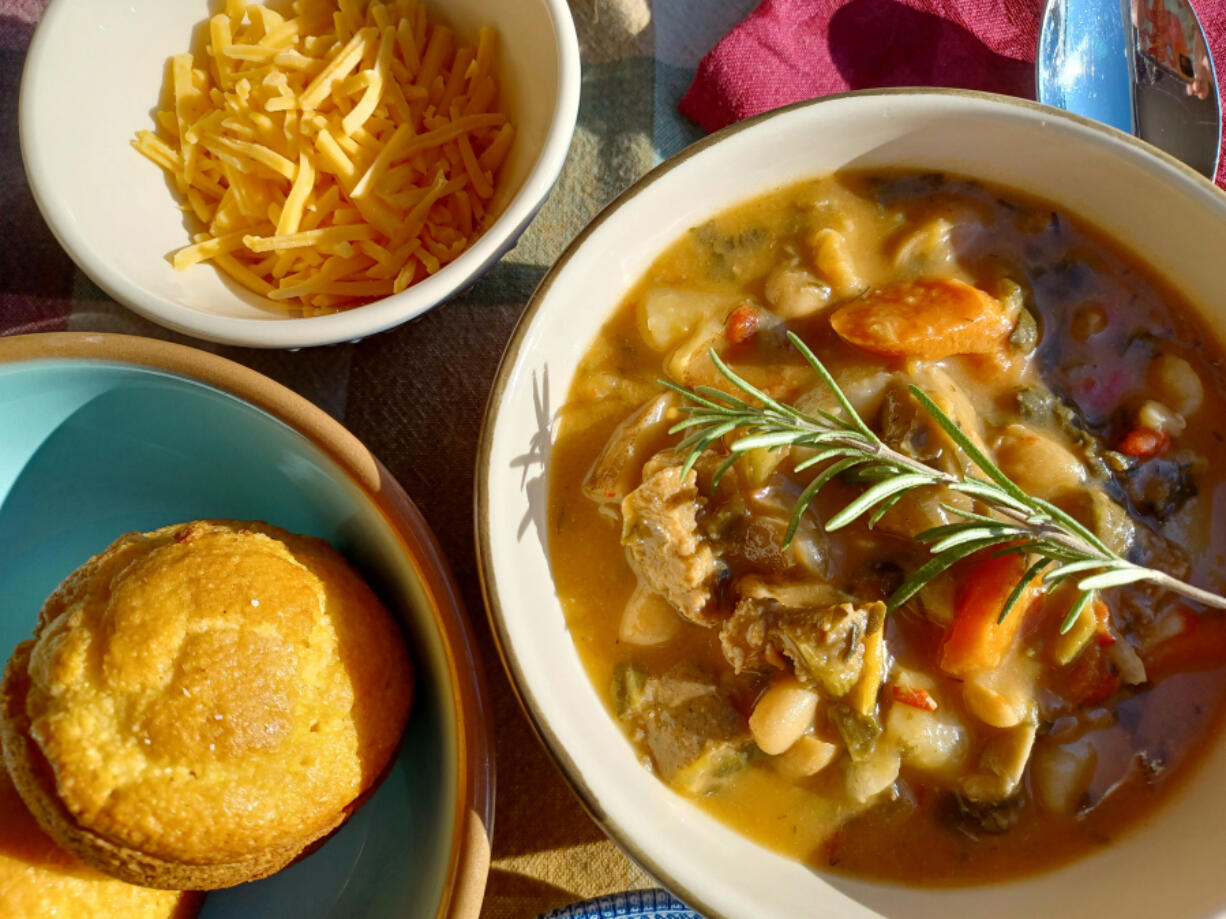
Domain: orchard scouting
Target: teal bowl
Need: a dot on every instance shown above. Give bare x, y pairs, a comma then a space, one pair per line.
106, 434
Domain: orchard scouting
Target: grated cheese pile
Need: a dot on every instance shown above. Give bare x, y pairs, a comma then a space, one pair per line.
335, 155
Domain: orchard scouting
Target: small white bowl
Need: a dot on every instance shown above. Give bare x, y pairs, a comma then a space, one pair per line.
1153, 205
91, 81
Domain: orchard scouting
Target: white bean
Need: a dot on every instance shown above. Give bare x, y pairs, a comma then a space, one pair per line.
808, 756
1005, 696
1161, 418
868, 778
782, 715
1177, 383
990, 706
793, 292
648, 619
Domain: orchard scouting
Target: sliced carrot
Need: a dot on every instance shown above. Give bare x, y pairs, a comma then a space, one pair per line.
927, 319
976, 640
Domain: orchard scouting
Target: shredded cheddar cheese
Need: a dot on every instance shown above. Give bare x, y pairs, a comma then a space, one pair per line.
334, 155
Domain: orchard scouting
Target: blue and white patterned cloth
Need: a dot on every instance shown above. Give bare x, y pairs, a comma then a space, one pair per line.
635, 904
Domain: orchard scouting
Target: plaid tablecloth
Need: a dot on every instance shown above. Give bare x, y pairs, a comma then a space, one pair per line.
415, 395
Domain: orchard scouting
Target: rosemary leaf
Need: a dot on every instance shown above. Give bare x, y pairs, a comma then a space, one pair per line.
695, 396
749, 388
918, 579
978, 457
821, 456
1020, 587
723, 467
884, 508
1082, 601
810, 492
770, 441
967, 515
1075, 567
869, 498
969, 532
986, 492
726, 400
852, 415
1116, 578
867, 475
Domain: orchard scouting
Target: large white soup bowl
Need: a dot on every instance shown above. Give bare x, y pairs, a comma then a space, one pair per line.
1152, 205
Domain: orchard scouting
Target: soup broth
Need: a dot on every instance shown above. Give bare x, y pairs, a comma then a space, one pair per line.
763, 677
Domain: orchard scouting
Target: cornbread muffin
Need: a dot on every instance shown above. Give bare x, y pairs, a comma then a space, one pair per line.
201, 703
38, 878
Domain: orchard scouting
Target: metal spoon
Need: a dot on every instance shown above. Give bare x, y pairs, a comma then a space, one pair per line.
1142, 66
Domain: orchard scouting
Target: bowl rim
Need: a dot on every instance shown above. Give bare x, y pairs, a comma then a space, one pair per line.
306, 331
473, 811
487, 572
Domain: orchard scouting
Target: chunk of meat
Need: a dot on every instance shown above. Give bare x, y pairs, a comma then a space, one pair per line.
745, 637
810, 625
695, 737
612, 475
928, 319
662, 539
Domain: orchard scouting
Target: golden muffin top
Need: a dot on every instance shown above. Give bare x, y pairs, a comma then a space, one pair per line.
211, 689
37, 878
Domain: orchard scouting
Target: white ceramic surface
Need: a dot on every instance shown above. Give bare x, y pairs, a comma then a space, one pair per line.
92, 80
1155, 206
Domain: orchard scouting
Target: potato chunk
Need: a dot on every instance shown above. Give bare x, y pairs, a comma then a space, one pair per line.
931, 741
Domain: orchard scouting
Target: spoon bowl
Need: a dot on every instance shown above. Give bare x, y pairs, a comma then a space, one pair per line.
1142, 66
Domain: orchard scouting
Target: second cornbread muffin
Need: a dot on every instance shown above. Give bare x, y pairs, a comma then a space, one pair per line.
201, 703
38, 878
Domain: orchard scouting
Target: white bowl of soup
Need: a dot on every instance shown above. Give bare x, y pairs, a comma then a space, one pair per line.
420, 139
742, 711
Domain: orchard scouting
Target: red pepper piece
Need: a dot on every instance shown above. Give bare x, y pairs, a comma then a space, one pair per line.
916, 698
1145, 443
742, 324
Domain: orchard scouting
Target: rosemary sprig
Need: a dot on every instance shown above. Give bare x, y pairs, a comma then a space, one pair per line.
1017, 522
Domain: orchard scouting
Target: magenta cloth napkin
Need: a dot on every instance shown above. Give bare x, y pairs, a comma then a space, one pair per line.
788, 50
